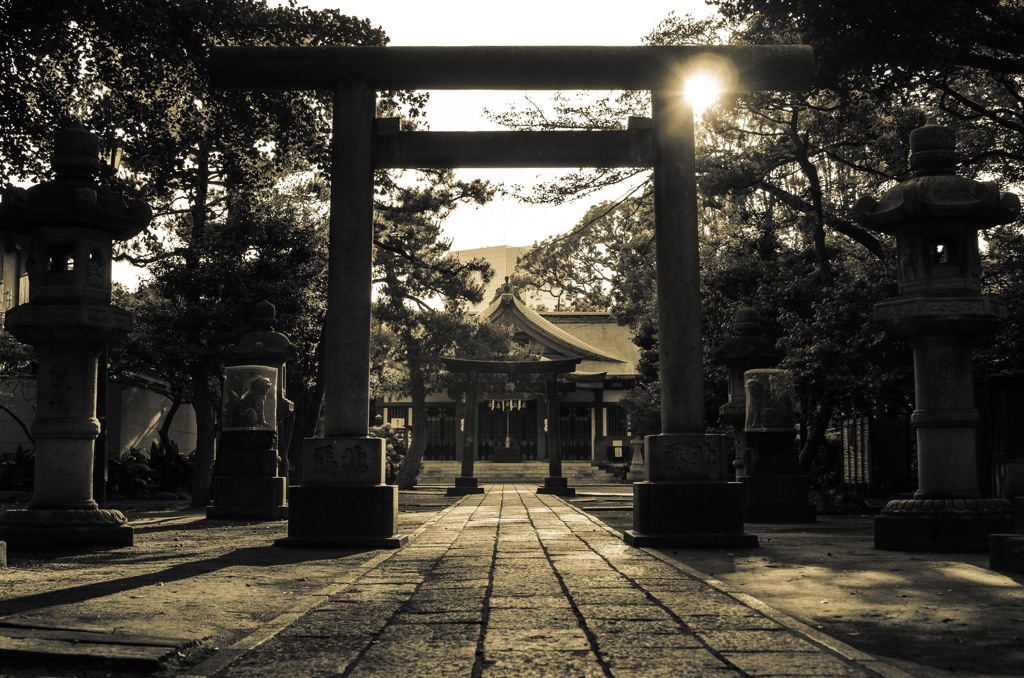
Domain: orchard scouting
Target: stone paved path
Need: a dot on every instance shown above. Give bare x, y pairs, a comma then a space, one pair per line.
514, 583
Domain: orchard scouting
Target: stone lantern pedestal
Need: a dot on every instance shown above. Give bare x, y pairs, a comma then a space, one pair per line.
71, 223
936, 217
774, 490
247, 482
766, 464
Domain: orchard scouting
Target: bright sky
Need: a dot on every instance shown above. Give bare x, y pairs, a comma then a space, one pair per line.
506, 221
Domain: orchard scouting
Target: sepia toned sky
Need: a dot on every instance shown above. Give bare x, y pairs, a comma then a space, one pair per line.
506, 221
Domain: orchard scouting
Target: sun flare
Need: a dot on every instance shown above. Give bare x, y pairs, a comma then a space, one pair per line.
701, 91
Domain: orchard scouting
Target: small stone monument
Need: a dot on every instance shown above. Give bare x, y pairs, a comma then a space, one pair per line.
247, 481
935, 217
71, 223
774, 490
746, 349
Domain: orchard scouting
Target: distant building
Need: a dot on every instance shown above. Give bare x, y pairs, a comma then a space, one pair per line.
13, 273
592, 422
503, 260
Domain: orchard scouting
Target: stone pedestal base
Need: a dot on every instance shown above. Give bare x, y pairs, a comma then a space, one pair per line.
247, 485
343, 516
3, 554
777, 499
252, 497
1006, 552
557, 485
58, 528
688, 514
464, 485
941, 525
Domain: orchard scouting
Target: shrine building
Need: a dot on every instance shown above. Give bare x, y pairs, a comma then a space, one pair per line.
511, 410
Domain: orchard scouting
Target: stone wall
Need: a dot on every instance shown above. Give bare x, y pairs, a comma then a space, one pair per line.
135, 413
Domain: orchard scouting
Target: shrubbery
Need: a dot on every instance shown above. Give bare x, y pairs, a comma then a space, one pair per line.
138, 476
17, 471
395, 450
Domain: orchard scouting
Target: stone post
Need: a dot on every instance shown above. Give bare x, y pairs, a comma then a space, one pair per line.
71, 223
687, 499
247, 481
935, 217
466, 483
555, 483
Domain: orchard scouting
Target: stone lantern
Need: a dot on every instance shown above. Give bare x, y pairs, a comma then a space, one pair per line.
71, 223
248, 482
935, 217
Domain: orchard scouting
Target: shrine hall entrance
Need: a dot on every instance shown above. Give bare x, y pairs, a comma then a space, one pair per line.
508, 430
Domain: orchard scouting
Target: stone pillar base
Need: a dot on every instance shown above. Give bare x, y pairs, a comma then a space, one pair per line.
464, 485
688, 514
941, 525
247, 498
343, 516
3, 554
58, 528
557, 485
777, 499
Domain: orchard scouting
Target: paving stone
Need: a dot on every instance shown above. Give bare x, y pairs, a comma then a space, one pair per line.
625, 612
609, 596
729, 622
292, 656
818, 664
757, 641
528, 588
446, 617
693, 606
595, 580
535, 639
691, 661
354, 609
508, 618
443, 602
329, 623
529, 664
521, 602
679, 584
635, 627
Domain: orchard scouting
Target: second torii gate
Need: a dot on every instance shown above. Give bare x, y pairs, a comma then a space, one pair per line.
687, 499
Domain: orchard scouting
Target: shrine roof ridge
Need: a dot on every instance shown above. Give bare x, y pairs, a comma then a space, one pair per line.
464, 365
754, 67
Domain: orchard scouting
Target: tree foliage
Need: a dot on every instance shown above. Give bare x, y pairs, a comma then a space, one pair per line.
237, 179
778, 174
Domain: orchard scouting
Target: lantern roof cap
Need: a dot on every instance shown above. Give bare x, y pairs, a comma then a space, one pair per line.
748, 347
936, 192
72, 198
262, 345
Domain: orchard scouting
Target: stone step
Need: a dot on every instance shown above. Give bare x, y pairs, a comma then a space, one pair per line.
577, 472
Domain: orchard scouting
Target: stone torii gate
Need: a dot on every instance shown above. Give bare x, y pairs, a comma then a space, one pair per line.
555, 483
686, 500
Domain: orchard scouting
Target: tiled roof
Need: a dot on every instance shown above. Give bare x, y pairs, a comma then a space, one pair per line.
603, 345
